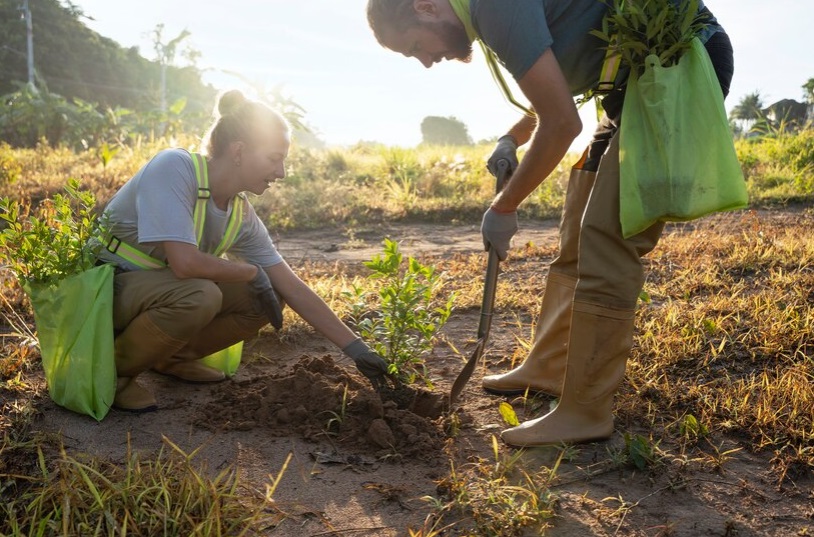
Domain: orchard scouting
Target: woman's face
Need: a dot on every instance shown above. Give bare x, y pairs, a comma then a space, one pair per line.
263, 162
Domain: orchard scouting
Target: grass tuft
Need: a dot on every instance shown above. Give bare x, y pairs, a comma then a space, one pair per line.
162, 495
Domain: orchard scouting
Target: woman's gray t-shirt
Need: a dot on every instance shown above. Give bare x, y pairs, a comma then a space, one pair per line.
157, 205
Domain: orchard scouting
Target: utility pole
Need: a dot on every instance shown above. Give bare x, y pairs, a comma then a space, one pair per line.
29, 27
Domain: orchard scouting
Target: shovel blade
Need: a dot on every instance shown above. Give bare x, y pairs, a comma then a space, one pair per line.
466, 372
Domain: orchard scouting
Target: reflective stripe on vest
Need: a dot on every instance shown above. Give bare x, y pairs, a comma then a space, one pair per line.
138, 258
610, 68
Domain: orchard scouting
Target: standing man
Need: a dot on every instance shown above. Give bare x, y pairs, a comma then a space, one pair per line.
585, 329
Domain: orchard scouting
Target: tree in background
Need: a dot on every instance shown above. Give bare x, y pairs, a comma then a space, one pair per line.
808, 91
437, 130
748, 113
165, 53
90, 83
808, 95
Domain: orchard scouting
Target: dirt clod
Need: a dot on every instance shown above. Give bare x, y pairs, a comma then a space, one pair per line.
322, 401
380, 434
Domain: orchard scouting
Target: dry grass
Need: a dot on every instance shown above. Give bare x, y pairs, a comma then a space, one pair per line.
727, 334
724, 347
161, 494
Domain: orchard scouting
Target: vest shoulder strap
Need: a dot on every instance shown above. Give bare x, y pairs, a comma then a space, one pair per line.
610, 68
140, 259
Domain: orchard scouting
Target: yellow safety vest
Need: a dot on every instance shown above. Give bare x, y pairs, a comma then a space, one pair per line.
135, 256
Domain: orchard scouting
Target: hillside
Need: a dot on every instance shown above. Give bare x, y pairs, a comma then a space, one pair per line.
75, 62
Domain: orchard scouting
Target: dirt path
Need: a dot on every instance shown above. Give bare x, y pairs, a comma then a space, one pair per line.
344, 480
414, 239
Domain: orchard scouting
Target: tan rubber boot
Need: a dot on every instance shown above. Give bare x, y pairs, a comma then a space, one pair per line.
189, 371
138, 348
599, 345
221, 333
133, 397
544, 368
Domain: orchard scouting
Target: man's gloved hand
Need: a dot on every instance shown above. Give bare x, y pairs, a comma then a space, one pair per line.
506, 148
264, 299
368, 362
497, 230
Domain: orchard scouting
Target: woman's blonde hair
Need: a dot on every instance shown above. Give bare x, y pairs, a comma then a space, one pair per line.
240, 119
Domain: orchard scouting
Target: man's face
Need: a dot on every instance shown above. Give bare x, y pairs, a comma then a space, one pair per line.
432, 41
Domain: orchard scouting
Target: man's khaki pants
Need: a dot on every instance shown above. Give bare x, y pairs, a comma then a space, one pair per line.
607, 267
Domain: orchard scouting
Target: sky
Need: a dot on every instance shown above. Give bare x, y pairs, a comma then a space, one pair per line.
323, 56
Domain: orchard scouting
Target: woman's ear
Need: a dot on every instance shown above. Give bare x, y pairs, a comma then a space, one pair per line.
236, 152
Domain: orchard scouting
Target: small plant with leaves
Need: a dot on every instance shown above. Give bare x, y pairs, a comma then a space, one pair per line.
637, 29
106, 153
51, 242
641, 451
338, 417
692, 430
406, 313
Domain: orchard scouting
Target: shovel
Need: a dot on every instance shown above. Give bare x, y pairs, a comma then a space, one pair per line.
489, 288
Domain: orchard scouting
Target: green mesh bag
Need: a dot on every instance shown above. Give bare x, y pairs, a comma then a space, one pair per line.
74, 319
676, 155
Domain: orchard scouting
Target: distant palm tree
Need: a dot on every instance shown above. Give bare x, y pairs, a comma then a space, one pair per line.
749, 108
749, 112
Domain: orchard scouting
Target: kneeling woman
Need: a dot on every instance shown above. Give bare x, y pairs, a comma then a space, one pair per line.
176, 299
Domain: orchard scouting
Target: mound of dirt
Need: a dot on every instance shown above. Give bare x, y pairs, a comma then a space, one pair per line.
322, 402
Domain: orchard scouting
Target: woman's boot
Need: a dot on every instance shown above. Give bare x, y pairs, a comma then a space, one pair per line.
138, 348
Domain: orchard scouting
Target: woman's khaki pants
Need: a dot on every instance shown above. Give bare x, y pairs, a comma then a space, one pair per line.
159, 317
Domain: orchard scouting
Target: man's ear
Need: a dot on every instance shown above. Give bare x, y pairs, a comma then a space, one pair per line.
426, 9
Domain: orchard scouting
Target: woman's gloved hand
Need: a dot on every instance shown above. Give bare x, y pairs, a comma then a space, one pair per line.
264, 299
368, 362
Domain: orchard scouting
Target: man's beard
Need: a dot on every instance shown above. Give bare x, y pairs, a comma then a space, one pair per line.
455, 40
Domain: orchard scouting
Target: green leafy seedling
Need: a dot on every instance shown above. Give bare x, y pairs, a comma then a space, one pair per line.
406, 314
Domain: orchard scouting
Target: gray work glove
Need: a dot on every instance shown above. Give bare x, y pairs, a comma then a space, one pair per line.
368, 362
506, 148
497, 230
264, 299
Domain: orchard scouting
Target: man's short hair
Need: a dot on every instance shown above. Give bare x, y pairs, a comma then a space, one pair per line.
390, 15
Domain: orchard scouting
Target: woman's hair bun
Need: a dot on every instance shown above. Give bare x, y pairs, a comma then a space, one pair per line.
230, 102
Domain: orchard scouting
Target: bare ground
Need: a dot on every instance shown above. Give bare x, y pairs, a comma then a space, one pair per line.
363, 467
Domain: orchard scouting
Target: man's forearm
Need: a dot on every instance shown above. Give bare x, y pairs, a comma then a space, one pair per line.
523, 129
548, 147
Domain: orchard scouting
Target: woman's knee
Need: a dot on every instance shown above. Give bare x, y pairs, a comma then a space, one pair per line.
202, 298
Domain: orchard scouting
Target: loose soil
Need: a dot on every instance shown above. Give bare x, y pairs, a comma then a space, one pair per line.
362, 462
